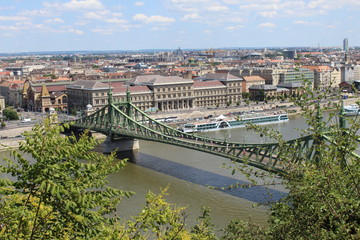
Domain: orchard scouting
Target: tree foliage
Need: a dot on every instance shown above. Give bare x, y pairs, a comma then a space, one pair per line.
62, 193
10, 114
324, 194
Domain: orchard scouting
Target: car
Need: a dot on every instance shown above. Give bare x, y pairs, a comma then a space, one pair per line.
25, 120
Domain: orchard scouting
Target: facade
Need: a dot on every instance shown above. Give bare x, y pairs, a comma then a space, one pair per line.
252, 81
270, 74
210, 94
346, 45
233, 84
296, 76
2, 103
59, 101
261, 92
83, 92
156, 93
168, 93
37, 97
325, 76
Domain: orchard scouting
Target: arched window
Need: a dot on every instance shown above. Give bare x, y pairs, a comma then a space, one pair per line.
64, 99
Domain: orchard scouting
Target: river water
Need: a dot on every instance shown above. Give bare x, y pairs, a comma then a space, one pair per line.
189, 174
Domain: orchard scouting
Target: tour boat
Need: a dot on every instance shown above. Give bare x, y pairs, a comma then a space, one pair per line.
222, 123
351, 110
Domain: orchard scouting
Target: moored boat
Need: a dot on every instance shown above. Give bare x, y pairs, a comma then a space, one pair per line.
351, 110
223, 123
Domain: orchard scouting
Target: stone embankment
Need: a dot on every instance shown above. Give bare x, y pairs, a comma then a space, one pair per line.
11, 137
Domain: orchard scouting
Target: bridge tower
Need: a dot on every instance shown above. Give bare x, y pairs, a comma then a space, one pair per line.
112, 142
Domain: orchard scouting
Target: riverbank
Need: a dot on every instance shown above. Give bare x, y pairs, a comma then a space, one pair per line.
12, 137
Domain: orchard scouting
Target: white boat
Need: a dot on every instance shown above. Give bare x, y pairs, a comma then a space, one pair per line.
351, 110
223, 123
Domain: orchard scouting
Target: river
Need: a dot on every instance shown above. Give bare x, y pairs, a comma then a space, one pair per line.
189, 173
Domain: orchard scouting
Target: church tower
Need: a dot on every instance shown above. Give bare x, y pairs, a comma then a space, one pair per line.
44, 98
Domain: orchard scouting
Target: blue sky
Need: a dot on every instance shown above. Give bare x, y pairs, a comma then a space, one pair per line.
54, 25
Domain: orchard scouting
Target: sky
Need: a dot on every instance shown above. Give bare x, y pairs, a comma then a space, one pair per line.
71, 25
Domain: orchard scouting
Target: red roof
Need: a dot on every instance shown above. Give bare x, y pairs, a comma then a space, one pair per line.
208, 84
59, 88
132, 89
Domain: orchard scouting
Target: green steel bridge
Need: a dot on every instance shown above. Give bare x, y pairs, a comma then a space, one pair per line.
123, 120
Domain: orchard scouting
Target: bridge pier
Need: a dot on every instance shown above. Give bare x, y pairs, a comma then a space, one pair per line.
118, 145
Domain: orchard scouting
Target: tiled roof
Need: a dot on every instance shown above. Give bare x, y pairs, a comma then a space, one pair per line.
317, 68
88, 85
253, 78
215, 83
56, 94
59, 88
132, 89
265, 87
159, 80
218, 76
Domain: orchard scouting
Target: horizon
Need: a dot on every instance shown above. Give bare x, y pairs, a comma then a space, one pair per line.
101, 25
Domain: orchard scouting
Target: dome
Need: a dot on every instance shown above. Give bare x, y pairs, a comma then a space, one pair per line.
89, 107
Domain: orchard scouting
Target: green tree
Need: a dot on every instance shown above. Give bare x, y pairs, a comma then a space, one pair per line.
61, 193
10, 113
324, 195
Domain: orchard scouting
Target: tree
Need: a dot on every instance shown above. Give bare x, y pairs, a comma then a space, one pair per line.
62, 193
324, 195
10, 114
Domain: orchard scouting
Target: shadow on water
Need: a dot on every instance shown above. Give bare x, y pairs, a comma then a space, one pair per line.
258, 194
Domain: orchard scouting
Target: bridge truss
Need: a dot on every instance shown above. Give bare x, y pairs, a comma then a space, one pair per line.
123, 120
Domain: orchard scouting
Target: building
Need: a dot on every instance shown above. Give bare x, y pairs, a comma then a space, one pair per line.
37, 97
83, 92
233, 84
168, 93
209, 94
157, 93
346, 45
2, 103
252, 81
325, 76
296, 76
266, 91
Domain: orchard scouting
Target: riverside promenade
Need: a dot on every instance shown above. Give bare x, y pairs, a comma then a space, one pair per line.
11, 137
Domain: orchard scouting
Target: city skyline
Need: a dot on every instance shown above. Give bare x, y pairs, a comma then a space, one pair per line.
92, 25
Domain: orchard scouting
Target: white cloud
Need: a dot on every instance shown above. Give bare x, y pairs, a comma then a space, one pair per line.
152, 19
268, 14
217, 8
93, 15
207, 32
76, 31
301, 22
13, 18
192, 16
331, 26
115, 20
55, 20
111, 31
139, 4
76, 5
233, 28
267, 25
38, 13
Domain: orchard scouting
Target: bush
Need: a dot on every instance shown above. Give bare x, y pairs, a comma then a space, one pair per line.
10, 114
